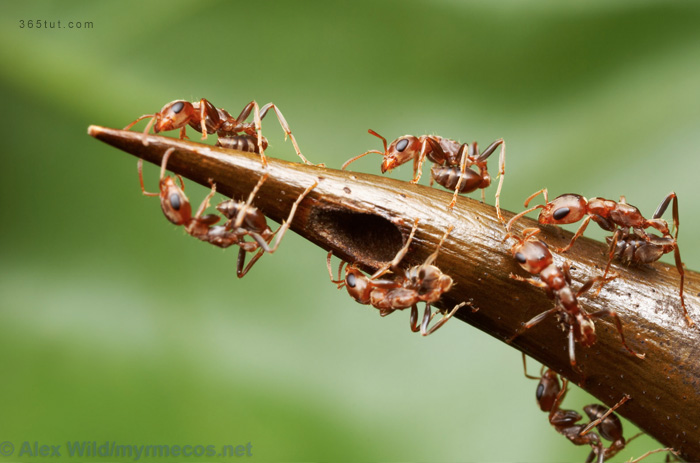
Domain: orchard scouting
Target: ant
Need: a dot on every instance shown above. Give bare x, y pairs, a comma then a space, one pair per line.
420, 283
534, 257
204, 117
549, 397
246, 221
452, 161
618, 217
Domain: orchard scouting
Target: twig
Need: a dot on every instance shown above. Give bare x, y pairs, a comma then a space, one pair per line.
366, 218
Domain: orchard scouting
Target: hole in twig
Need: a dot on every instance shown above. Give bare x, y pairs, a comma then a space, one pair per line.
367, 238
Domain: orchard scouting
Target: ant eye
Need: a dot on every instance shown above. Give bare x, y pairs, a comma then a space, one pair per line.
402, 144
175, 201
350, 280
560, 213
177, 107
520, 257
540, 391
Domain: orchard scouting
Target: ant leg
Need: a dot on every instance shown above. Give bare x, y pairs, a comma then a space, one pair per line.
244, 210
462, 155
414, 319
501, 171
576, 236
679, 267
534, 282
399, 255
240, 271
599, 420
258, 130
253, 106
618, 324
525, 369
427, 316
611, 256
202, 119
285, 226
533, 321
559, 398
431, 258
418, 163
572, 349
143, 188
148, 126
287, 130
163, 163
651, 452
205, 203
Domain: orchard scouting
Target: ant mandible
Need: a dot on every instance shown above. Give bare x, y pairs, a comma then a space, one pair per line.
618, 217
534, 257
247, 220
420, 283
204, 117
549, 397
453, 161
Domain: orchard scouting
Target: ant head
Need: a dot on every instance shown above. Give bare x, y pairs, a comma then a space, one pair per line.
547, 390
174, 203
401, 150
567, 208
532, 255
174, 115
357, 284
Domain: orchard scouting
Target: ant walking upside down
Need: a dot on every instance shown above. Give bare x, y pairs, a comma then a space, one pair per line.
421, 283
534, 257
244, 219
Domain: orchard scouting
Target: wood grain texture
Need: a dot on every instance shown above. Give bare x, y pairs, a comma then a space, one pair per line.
366, 218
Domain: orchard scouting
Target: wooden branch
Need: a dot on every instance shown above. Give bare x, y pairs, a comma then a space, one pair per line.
366, 219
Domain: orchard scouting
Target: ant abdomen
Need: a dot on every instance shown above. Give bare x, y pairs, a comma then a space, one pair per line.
448, 177
245, 143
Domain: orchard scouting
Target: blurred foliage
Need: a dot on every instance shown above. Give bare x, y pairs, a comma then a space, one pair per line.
114, 326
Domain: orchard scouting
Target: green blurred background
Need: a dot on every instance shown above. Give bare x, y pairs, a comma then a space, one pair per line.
115, 326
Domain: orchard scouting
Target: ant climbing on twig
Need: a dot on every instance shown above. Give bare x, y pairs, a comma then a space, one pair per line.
534, 257
204, 117
245, 220
550, 395
620, 218
453, 161
420, 283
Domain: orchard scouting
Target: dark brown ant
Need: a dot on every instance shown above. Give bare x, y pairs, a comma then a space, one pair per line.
534, 257
549, 397
204, 117
420, 283
453, 161
620, 218
245, 220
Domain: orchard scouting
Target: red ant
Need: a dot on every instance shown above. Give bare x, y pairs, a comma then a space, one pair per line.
245, 219
420, 283
452, 161
618, 217
534, 257
549, 398
204, 117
